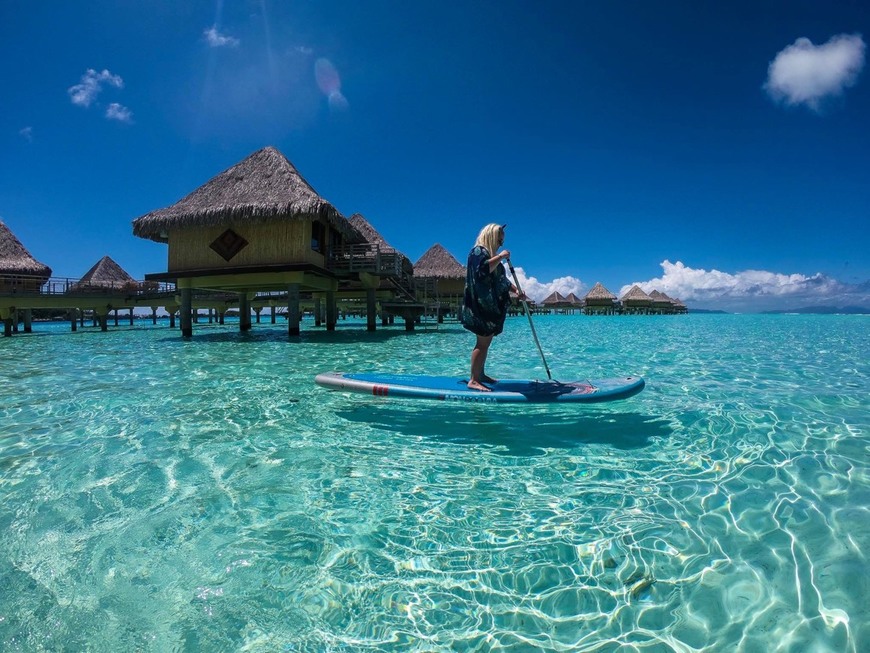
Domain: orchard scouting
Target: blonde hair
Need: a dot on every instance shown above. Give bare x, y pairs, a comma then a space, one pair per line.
490, 237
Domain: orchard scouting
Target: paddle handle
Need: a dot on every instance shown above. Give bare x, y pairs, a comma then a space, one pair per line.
529, 315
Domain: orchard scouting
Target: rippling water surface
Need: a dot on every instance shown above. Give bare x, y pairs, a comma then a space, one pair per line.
163, 495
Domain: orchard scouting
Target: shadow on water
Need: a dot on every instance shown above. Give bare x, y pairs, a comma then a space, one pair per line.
514, 431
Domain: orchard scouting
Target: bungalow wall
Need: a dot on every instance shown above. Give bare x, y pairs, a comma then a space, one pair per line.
287, 242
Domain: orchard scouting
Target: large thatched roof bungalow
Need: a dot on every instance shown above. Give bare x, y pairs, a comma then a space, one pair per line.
636, 301
600, 301
440, 278
257, 226
18, 269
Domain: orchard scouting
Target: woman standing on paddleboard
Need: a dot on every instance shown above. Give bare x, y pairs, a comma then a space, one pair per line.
487, 296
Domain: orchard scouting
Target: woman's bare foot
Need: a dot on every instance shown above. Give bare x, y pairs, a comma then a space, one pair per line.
477, 385
488, 379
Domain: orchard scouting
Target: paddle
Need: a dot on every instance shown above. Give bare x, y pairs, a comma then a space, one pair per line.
529, 314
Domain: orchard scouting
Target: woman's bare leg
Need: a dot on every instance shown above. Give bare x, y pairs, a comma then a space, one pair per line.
478, 361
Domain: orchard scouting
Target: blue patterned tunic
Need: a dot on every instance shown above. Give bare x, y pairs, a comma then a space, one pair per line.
487, 295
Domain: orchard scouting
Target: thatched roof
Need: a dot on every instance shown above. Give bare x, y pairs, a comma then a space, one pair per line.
574, 299
371, 235
265, 187
15, 259
636, 295
106, 273
555, 298
438, 263
364, 227
661, 298
599, 293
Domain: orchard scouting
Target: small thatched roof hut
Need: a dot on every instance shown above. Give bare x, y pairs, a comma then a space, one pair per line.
555, 300
265, 187
105, 275
438, 263
574, 300
15, 259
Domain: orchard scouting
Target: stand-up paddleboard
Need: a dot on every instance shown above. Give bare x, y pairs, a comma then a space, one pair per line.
448, 388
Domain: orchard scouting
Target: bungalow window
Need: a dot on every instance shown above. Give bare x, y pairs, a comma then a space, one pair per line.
318, 237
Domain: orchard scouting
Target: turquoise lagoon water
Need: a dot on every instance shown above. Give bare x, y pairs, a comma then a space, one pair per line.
163, 495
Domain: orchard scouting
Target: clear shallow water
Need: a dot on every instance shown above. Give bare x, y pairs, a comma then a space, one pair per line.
161, 495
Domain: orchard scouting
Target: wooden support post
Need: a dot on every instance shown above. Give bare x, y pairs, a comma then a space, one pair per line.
244, 311
371, 307
116, 317
153, 315
221, 315
331, 310
257, 311
15, 321
28, 320
318, 311
293, 314
186, 317
6, 314
73, 319
101, 317
131, 317
273, 313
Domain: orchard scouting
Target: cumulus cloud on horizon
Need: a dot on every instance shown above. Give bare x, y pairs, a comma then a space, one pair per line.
539, 291
804, 73
217, 40
750, 288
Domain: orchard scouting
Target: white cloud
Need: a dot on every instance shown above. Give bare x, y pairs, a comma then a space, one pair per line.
539, 291
804, 73
119, 112
85, 92
749, 289
26, 133
217, 40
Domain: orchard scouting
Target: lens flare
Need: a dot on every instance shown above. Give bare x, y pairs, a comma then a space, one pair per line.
329, 83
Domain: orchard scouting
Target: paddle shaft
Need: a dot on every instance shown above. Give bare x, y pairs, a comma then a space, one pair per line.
529, 314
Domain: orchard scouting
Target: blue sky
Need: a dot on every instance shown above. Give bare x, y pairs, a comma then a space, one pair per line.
717, 152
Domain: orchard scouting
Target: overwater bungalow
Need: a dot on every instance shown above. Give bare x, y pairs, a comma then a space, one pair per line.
636, 302
403, 283
105, 277
555, 301
574, 302
259, 229
440, 281
19, 273
661, 303
600, 301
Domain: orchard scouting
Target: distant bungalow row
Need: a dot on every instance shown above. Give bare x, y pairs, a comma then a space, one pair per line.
255, 236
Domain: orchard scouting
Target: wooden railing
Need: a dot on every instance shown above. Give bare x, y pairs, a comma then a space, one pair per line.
366, 257
14, 284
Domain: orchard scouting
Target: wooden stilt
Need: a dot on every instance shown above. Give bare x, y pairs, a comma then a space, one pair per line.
186, 317
293, 314
244, 312
371, 313
331, 310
